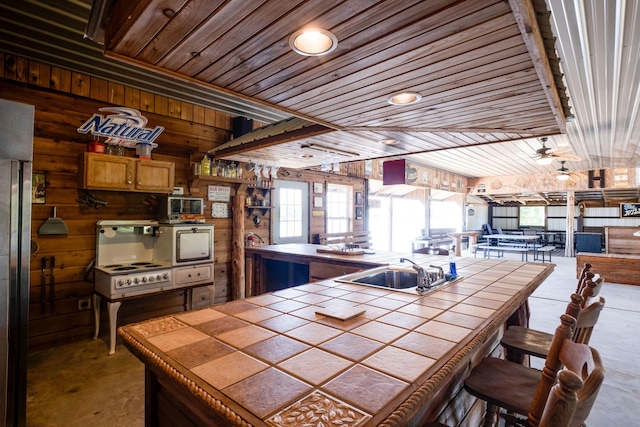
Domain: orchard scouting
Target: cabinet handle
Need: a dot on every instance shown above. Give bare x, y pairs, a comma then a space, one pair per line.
128, 181
139, 183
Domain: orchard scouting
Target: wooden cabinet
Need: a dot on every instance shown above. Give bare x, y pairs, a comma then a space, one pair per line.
104, 172
154, 177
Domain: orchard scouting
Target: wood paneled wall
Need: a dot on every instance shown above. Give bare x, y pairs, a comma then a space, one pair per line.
64, 100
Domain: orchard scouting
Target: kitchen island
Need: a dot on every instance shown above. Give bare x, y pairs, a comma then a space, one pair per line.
274, 267
272, 360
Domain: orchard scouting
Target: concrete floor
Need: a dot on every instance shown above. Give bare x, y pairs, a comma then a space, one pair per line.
80, 385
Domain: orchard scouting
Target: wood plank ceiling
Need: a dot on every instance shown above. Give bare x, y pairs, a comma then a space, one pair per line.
481, 67
597, 41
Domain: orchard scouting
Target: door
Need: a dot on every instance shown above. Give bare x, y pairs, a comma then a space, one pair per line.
290, 212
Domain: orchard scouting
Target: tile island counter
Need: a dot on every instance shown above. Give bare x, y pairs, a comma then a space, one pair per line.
272, 360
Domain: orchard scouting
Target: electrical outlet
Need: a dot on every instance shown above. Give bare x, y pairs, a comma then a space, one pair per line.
84, 303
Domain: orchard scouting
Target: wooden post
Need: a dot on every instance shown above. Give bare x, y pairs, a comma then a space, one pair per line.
237, 249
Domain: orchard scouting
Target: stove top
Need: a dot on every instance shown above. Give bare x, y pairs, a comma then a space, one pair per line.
134, 267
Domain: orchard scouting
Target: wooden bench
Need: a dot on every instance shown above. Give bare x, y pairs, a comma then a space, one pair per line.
541, 250
440, 237
615, 268
501, 249
360, 239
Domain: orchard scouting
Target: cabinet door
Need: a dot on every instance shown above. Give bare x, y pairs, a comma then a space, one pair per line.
154, 176
103, 172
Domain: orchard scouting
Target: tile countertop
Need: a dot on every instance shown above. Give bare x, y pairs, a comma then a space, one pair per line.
270, 360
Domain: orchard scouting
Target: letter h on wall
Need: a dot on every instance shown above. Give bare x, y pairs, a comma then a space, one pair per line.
599, 178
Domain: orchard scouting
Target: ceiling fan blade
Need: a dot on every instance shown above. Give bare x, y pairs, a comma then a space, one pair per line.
567, 157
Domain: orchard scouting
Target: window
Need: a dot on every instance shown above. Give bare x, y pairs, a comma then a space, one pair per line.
445, 214
339, 208
532, 216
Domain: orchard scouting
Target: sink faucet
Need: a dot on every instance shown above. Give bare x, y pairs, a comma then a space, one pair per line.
440, 271
424, 282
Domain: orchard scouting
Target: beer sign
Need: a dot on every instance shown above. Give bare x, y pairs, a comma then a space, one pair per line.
125, 127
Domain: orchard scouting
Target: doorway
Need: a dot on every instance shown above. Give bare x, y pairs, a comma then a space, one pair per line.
290, 212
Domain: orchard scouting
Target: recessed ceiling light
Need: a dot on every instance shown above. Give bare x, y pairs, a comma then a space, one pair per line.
404, 98
313, 42
389, 141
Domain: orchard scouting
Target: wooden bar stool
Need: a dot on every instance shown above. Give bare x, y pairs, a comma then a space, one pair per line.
585, 269
521, 341
560, 406
524, 391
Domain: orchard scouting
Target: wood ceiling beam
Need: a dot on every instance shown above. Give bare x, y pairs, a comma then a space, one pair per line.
271, 140
525, 16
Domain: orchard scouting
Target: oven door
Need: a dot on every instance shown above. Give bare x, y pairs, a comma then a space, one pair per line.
194, 244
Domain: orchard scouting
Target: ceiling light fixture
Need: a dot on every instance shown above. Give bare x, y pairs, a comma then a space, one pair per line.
389, 141
404, 98
313, 42
545, 160
563, 173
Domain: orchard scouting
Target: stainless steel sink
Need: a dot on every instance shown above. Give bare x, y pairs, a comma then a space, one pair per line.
392, 277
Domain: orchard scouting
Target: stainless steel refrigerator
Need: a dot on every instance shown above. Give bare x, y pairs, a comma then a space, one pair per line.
16, 155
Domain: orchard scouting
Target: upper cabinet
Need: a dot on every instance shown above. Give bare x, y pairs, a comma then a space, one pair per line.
104, 172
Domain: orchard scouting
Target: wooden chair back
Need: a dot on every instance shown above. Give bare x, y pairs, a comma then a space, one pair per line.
582, 277
587, 321
586, 317
590, 290
562, 401
582, 360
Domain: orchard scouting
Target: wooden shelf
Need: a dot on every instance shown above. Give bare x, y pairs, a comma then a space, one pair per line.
194, 181
262, 209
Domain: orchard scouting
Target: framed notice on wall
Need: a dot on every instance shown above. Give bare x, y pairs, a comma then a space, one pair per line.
629, 210
217, 193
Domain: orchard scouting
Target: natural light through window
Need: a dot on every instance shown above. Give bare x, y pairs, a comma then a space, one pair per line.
339, 208
445, 214
532, 216
290, 212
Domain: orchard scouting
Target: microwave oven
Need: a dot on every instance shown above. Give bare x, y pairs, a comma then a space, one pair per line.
180, 210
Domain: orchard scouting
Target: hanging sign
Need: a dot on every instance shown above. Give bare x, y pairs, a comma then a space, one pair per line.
126, 127
629, 210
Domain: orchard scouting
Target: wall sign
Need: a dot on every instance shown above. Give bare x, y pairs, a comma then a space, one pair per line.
629, 210
217, 193
125, 127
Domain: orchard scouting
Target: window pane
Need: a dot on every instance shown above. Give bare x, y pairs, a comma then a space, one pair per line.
532, 216
339, 208
290, 212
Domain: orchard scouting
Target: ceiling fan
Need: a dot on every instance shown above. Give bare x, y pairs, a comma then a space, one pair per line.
564, 174
546, 155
